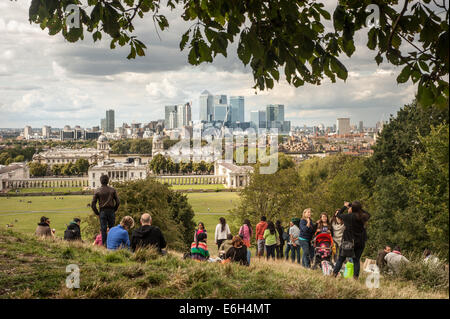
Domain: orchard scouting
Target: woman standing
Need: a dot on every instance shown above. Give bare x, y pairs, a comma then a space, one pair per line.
279, 248
270, 237
354, 232
306, 234
323, 225
222, 231
246, 232
337, 227
200, 229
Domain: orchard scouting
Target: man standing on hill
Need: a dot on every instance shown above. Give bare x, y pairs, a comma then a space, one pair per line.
260, 228
108, 203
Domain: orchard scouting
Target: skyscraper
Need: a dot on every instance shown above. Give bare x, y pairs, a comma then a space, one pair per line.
220, 112
361, 127
237, 109
220, 99
27, 132
183, 115
110, 123
46, 130
258, 119
206, 101
343, 126
103, 125
169, 109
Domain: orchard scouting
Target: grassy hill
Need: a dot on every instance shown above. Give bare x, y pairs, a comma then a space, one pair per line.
35, 268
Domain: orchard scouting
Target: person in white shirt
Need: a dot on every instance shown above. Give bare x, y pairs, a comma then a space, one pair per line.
222, 231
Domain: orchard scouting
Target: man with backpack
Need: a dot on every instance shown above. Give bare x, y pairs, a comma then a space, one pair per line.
73, 231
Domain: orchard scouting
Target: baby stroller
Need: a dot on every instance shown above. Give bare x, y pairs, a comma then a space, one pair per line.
323, 245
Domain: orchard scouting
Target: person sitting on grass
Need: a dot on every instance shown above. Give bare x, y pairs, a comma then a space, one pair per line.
118, 235
73, 231
226, 245
199, 248
395, 259
238, 252
148, 235
381, 263
43, 229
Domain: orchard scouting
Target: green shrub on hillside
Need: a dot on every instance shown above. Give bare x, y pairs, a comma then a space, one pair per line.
170, 210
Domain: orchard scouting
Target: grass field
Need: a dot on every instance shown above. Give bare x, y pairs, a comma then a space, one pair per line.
25, 216
45, 190
36, 268
205, 186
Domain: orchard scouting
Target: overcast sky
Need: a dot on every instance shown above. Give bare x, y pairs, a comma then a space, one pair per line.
45, 80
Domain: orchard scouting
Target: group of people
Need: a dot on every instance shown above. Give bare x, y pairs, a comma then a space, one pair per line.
348, 231
111, 236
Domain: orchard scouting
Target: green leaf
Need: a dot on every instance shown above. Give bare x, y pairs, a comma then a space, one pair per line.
184, 40
379, 59
338, 68
339, 18
404, 75
372, 39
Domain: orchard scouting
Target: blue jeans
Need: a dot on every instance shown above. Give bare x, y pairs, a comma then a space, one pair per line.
295, 252
249, 254
107, 220
307, 252
288, 249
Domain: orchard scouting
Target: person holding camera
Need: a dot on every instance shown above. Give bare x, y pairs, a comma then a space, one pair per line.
354, 237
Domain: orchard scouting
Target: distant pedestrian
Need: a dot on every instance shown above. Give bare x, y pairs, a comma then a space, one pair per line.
259, 233
294, 241
280, 247
222, 231
73, 231
305, 237
270, 239
118, 236
108, 203
43, 229
354, 235
246, 232
337, 227
200, 229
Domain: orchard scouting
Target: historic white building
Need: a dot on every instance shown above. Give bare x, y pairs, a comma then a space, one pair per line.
116, 172
68, 155
13, 171
157, 145
235, 176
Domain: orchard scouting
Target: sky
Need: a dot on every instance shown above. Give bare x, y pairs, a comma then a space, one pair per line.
45, 80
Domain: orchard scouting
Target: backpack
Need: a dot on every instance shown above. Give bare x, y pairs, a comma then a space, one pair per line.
69, 234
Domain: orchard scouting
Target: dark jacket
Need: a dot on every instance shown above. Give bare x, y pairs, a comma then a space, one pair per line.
107, 199
354, 229
305, 231
280, 231
147, 236
73, 232
381, 263
238, 255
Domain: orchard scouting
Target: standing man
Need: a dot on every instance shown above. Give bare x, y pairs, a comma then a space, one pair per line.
108, 203
260, 241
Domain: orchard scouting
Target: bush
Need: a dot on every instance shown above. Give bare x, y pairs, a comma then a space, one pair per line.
425, 276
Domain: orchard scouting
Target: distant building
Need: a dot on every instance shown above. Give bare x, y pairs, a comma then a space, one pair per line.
27, 132
116, 172
206, 102
110, 122
157, 145
46, 131
236, 176
168, 109
343, 126
237, 109
221, 112
184, 116
11, 172
103, 125
361, 127
258, 119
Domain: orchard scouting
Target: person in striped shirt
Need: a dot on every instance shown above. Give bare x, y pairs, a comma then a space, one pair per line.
199, 249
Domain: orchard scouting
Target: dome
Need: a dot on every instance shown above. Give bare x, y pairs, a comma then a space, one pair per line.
102, 138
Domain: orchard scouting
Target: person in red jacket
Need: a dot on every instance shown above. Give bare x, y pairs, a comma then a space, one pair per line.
260, 228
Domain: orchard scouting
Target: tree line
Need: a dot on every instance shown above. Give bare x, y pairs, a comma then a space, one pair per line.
80, 167
404, 185
160, 164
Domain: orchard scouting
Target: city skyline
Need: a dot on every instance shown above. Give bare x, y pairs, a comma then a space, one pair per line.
60, 83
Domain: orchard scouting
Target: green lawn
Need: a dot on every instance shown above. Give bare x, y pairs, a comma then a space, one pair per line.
46, 190
205, 186
25, 216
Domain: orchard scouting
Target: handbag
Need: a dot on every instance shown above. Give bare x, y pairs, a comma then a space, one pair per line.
347, 249
241, 232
